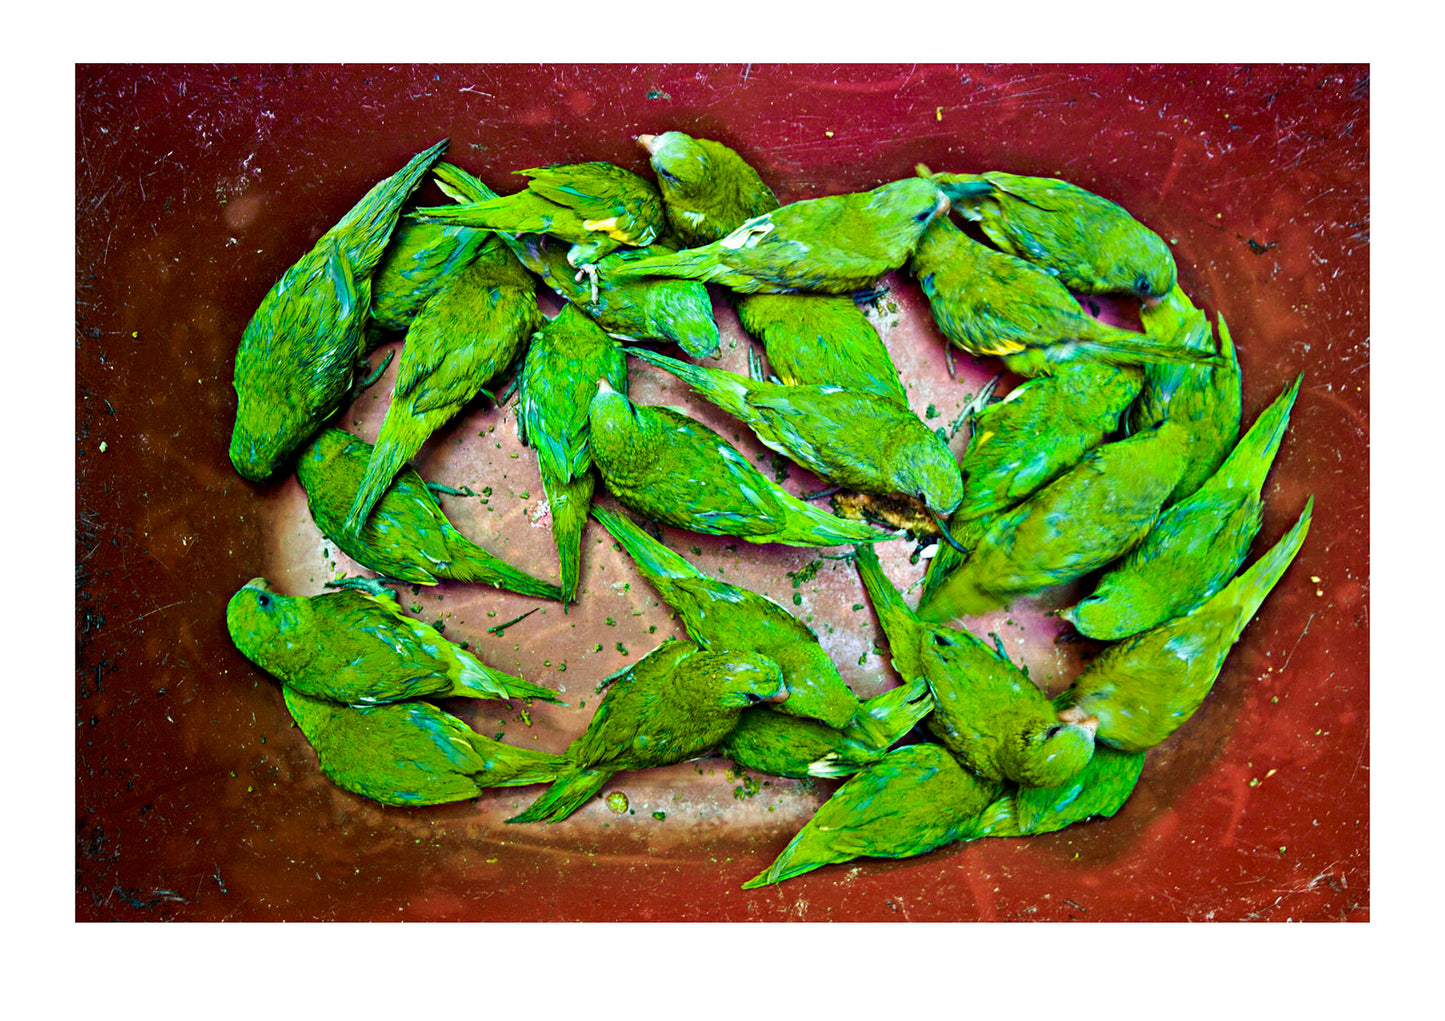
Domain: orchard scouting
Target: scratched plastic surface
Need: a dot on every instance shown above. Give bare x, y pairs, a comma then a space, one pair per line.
195, 797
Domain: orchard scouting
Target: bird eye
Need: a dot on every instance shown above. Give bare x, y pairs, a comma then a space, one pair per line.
666, 175
1142, 285
1052, 731
263, 600
923, 216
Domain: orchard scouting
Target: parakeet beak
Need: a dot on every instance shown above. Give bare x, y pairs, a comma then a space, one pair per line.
1074, 714
942, 207
1151, 302
259, 583
604, 387
781, 695
646, 141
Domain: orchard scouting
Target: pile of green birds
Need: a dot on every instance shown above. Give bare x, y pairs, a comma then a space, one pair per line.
1118, 458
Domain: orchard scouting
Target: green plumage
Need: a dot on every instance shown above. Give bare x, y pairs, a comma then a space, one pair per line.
407, 537
595, 206
830, 245
1098, 790
677, 702
1092, 245
708, 190
1143, 688
559, 378
298, 353
916, 799
1091, 514
672, 311
419, 259
722, 616
767, 740
470, 330
821, 339
1023, 442
845, 437
986, 710
1205, 400
1196, 546
669, 311
411, 753
357, 647
992, 303
1040, 430
666, 466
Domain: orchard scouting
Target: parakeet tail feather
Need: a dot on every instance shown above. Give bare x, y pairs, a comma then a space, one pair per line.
572, 789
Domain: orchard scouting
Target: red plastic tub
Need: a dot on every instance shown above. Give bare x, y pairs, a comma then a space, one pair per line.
197, 800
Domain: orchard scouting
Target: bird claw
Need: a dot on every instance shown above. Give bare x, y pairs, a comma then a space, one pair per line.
973, 406
588, 270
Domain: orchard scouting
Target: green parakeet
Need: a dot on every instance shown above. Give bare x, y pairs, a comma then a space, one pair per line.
596, 206
821, 339
675, 703
722, 616
407, 537
1196, 546
832, 245
1143, 688
986, 710
419, 259
470, 330
767, 740
559, 378
1204, 399
411, 753
357, 647
297, 356
992, 303
1041, 429
708, 190
1091, 244
1099, 790
1091, 514
1021, 443
666, 466
848, 438
915, 799
672, 311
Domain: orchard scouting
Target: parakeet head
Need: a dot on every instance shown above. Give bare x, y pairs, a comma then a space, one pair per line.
1156, 273
1047, 754
913, 200
266, 433
924, 467
680, 162
708, 189
742, 678
256, 616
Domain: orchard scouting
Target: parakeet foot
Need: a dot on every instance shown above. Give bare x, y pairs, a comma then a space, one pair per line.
358, 386
755, 366
588, 270
445, 490
973, 406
